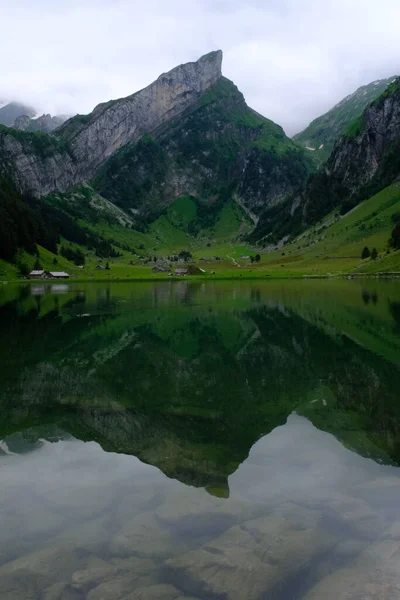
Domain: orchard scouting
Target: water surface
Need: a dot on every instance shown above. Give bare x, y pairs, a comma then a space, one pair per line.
200, 440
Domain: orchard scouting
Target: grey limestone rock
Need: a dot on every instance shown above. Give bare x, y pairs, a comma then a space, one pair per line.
83, 144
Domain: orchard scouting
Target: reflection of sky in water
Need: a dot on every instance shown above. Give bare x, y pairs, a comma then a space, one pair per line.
299, 494
188, 377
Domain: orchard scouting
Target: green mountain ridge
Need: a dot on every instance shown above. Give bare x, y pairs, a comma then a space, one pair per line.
218, 149
320, 136
364, 162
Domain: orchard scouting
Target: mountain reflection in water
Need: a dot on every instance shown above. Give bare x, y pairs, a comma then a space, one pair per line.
200, 440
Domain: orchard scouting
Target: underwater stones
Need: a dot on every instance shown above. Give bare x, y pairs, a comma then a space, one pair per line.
155, 592
356, 515
116, 577
196, 513
55, 563
116, 588
373, 575
249, 560
145, 536
61, 591
96, 571
21, 585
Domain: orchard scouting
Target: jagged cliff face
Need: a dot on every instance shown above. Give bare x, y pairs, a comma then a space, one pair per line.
84, 143
357, 158
188, 133
321, 135
365, 160
38, 166
217, 149
115, 124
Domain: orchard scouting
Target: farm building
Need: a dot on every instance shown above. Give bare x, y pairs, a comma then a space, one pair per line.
181, 272
58, 275
161, 269
37, 274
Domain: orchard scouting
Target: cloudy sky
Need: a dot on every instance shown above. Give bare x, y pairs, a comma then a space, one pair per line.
293, 59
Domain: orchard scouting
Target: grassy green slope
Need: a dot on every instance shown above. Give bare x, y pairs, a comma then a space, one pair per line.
334, 245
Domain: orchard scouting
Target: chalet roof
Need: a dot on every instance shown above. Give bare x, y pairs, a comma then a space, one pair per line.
37, 272
58, 274
181, 271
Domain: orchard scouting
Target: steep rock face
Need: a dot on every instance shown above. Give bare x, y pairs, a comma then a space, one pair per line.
322, 133
84, 143
114, 124
217, 149
38, 165
269, 178
357, 159
364, 161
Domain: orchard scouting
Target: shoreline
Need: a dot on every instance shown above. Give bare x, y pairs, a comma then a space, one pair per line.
252, 277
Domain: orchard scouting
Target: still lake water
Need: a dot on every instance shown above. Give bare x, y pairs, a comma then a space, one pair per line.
233, 441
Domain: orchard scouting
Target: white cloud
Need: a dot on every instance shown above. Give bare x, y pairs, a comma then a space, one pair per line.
292, 59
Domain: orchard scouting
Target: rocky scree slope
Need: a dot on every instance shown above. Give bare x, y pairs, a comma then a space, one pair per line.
322, 133
216, 150
43, 164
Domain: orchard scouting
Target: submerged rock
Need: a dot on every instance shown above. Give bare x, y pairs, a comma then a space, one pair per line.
55, 563
145, 536
247, 561
195, 513
117, 588
374, 575
61, 591
155, 592
21, 585
356, 515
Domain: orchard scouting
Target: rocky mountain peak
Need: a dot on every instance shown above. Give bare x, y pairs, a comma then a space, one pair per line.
83, 144
207, 68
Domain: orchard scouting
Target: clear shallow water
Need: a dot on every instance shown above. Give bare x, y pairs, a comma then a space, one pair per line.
221, 441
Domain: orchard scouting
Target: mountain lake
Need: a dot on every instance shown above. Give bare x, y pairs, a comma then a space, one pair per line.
200, 440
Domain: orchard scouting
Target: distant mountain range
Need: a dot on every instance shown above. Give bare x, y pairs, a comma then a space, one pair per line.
24, 117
